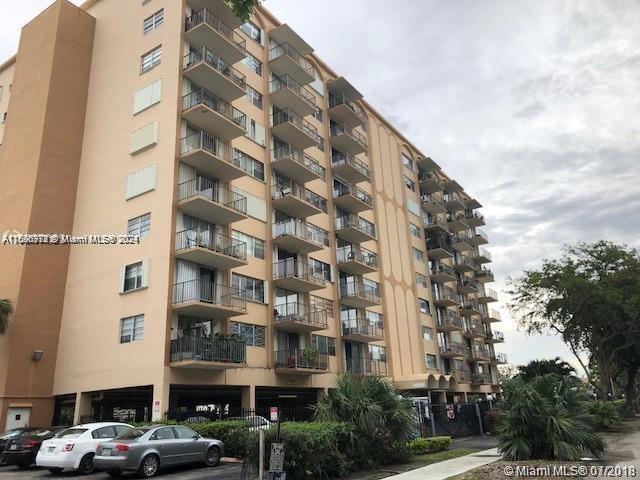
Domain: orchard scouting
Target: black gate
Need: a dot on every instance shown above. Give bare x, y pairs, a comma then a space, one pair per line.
457, 419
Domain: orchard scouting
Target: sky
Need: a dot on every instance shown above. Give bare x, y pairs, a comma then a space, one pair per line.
532, 105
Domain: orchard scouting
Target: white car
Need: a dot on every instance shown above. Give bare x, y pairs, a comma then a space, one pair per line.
75, 447
256, 422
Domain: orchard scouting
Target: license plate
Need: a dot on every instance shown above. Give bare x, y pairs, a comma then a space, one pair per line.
51, 449
13, 447
106, 452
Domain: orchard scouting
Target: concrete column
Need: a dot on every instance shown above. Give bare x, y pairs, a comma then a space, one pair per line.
83, 406
160, 404
249, 397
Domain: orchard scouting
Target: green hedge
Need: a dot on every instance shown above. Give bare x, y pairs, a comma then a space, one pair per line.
313, 450
420, 446
607, 414
234, 433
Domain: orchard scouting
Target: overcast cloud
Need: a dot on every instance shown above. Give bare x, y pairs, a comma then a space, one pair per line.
531, 105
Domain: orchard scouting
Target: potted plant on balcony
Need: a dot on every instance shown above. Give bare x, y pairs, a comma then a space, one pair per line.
309, 354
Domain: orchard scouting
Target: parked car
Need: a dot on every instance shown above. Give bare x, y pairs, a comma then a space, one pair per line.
22, 449
256, 422
148, 449
75, 447
8, 435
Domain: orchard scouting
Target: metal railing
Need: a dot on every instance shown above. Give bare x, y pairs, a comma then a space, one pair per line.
341, 190
496, 336
286, 151
465, 261
355, 254
461, 375
473, 216
289, 116
439, 242
208, 349
298, 228
450, 320
480, 352
207, 17
213, 145
354, 221
278, 83
206, 188
302, 358
483, 252
284, 49
282, 190
202, 96
482, 235
301, 313
214, 241
453, 197
474, 328
442, 268
454, 347
365, 366
481, 378
209, 292
432, 198
430, 177
292, 268
218, 64
344, 129
499, 357
360, 290
339, 158
489, 293
432, 221
341, 99
445, 293
469, 282
484, 272
471, 304
362, 326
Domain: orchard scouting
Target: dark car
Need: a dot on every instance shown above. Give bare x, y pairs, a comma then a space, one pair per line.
8, 435
21, 449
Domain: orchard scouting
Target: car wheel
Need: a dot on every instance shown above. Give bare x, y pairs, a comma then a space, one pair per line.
55, 470
114, 473
212, 458
86, 464
149, 466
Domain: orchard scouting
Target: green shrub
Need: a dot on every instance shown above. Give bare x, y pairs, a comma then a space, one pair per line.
234, 433
606, 414
420, 446
620, 404
313, 450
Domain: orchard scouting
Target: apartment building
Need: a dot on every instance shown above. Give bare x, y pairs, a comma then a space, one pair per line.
287, 232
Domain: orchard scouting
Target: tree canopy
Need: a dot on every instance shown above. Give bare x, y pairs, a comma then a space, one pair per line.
243, 8
538, 368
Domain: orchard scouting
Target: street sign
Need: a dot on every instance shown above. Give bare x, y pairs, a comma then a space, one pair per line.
276, 460
273, 414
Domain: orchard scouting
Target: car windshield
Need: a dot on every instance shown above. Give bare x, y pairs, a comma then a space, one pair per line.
71, 433
38, 434
133, 434
10, 434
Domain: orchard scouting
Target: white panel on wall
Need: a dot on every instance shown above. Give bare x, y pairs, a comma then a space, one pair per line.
256, 207
413, 207
143, 138
147, 97
142, 181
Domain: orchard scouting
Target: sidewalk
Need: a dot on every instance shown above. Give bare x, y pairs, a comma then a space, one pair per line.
449, 468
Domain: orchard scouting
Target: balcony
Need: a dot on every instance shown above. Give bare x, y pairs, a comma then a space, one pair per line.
300, 361
430, 183
499, 358
479, 354
205, 199
203, 28
212, 249
209, 112
211, 156
461, 375
479, 238
434, 204
292, 128
205, 68
207, 353
297, 276
464, 264
489, 295
449, 323
365, 366
344, 111
461, 243
442, 273
468, 285
362, 330
445, 297
355, 229
485, 275
287, 94
470, 308
299, 318
481, 379
349, 167
347, 139
495, 336
358, 295
474, 219
356, 260
492, 316
286, 60
438, 248
436, 225
297, 237
483, 256
457, 222
297, 201
293, 163
453, 350
473, 330
219, 8
351, 198
207, 299
454, 202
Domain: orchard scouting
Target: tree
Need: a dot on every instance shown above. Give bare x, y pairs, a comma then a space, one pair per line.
538, 368
6, 309
243, 8
589, 297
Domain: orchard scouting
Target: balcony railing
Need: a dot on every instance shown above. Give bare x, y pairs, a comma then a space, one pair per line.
218, 64
481, 378
341, 99
465, 261
202, 96
355, 254
496, 336
209, 292
461, 375
481, 235
471, 304
354, 221
301, 313
216, 242
499, 357
208, 350
494, 314
430, 177
484, 273
445, 293
433, 199
468, 282
453, 197
204, 141
441, 268
206, 188
286, 49
474, 216
281, 190
289, 116
302, 358
451, 320
474, 328
285, 151
360, 290
341, 189
207, 17
278, 83
480, 352
339, 159
455, 348
292, 268
300, 229
439, 242
433, 221
483, 252
365, 366
362, 326
344, 129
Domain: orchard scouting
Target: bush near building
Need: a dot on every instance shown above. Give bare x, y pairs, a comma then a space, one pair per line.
420, 446
234, 434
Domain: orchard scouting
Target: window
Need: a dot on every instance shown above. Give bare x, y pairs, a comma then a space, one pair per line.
131, 329
319, 234
421, 280
253, 335
154, 21
254, 96
324, 344
253, 31
370, 284
143, 138
374, 317
427, 333
250, 288
320, 268
414, 230
424, 306
147, 97
255, 246
253, 167
418, 255
256, 132
104, 433
183, 432
151, 59
133, 277
410, 184
141, 182
378, 353
166, 433
413, 207
432, 362
140, 226
322, 303
407, 162
318, 114
253, 63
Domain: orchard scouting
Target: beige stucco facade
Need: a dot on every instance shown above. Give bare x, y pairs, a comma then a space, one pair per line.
337, 293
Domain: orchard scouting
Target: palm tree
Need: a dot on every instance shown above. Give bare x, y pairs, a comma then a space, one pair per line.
538, 368
6, 309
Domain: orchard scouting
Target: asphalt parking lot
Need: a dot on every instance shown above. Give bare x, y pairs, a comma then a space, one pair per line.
224, 471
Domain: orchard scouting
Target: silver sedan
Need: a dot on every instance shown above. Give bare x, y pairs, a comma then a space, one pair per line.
148, 449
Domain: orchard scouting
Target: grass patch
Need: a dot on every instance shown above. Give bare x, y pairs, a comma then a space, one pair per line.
429, 458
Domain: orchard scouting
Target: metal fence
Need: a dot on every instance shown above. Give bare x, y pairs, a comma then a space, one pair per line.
455, 419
